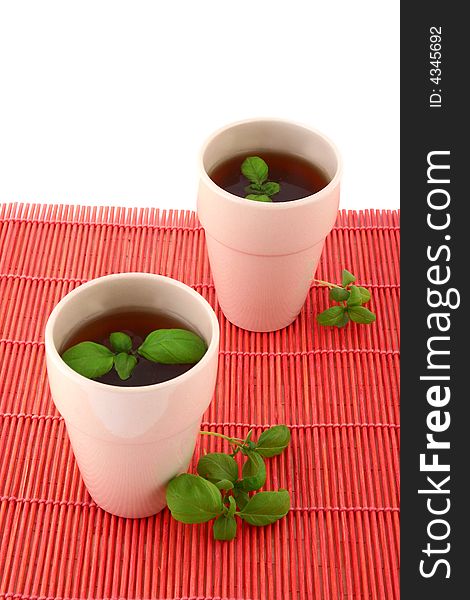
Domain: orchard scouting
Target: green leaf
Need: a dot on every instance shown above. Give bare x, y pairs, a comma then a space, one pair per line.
266, 507
365, 294
173, 347
270, 188
347, 278
273, 441
332, 316
253, 188
253, 473
360, 314
241, 497
258, 197
255, 169
89, 359
232, 508
225, 528
224, 484
120, 342
218, 466
344, 321
192, 499
339, 294
267, 189
355, 297
124, 364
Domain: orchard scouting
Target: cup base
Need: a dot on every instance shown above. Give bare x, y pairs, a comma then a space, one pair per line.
261, 293
259, 329
129, 480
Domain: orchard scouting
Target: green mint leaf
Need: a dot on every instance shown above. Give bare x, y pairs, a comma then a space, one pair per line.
225, 528
232, 506
253, 473
339, 294
223, 484
273, 441
255, 169
344, 321
173, 347
120, 342
124, 364
270, 188
355, 296
360, 314
89, 359
258, 197
218, 466
253, 188
332, 316
365, 294
192, 499
347, 278
241, 497
266, 507
266, 189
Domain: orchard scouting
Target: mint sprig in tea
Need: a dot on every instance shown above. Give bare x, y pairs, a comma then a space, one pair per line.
267, 176
133, 348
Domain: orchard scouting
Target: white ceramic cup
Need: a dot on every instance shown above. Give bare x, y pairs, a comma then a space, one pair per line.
130, 441
263, 255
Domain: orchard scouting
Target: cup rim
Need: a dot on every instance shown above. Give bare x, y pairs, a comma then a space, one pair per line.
313, 198
53, 354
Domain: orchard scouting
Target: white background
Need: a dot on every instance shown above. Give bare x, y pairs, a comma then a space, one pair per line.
108, 102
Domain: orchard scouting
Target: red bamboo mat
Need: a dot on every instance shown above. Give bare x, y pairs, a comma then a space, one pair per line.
336, 389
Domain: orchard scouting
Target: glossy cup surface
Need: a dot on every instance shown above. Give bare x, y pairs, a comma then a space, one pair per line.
130, 441
264, 255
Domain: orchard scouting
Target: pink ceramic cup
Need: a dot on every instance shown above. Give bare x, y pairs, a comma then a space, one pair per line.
264, 255
130, 441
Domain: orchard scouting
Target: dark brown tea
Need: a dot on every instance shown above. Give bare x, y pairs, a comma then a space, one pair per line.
297, 177
137, 324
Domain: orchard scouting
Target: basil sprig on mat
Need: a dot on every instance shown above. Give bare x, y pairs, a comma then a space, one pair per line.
165, 346
218, 492
351, 299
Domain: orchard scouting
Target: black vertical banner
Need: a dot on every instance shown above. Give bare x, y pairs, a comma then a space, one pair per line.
435, 202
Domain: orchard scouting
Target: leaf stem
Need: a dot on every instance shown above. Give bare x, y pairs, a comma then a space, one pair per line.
234, 441
327, 284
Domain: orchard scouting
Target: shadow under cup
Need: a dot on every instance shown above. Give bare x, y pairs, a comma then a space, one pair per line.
263, 255
130, 441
